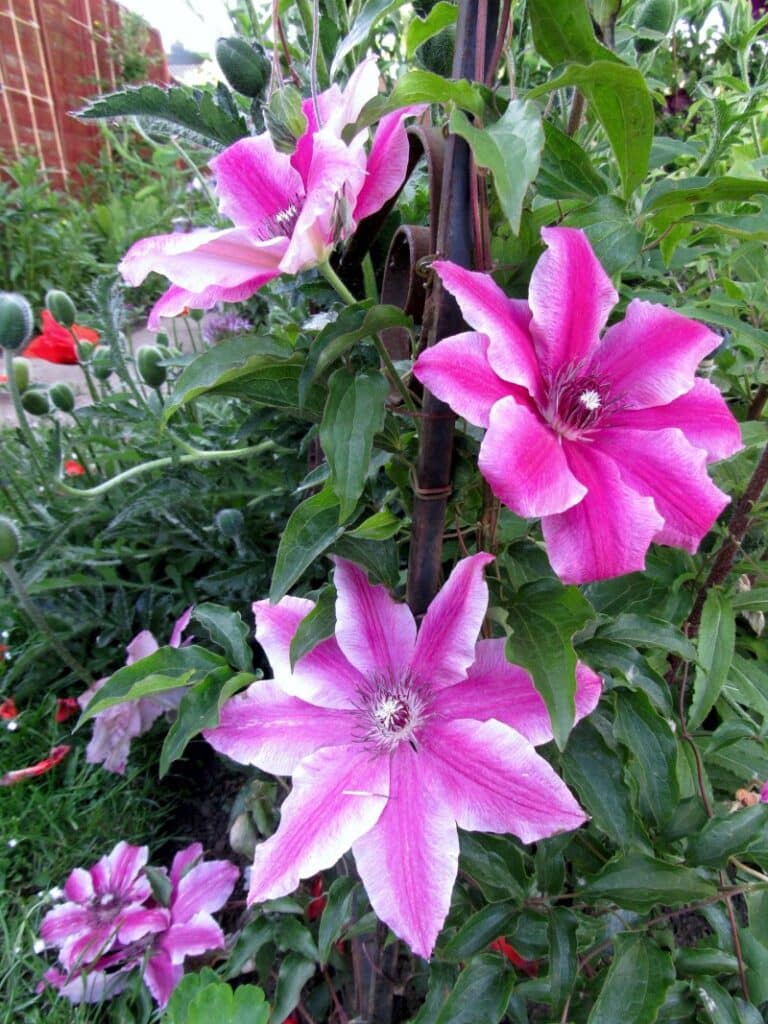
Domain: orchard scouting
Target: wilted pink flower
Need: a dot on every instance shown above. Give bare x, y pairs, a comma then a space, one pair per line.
394, 738
116, 726
288, 211
606, 439
104, 905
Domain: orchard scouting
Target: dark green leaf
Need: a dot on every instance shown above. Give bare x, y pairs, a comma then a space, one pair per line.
755, 600
480, 995
317, 626
722, 838
566, 170
719, 1006
354, 413
379, 559
638, 882
563, 32
687, 191
543, 618
652, 754
160, 884
611, 231
717, 637
227, 629
510, 148
311, 529
496, 864
562, 957
441, 980
336, 913
291, 934
419, 30
705, 961
419, 86
295, 972
644, 631
636, 985
478, 931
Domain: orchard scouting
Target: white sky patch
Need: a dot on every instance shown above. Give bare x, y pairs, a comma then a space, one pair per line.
196, 24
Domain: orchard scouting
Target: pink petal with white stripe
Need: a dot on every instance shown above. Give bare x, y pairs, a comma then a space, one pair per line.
254, 183
79, 886
204, 889
176, 300
183, 861
136, 922
267, 728
338, 795
457, 371
524, 461
493, 780
386, 164
161, 976
192, 938
609, 532
409, 859
445, 645
64, 923
495, 688
651, 356
375, 633
570, 298
120, 871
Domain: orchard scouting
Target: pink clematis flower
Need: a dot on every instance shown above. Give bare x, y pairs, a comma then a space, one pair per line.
288, 211
606, 439
394, 738
104, 905
115, 727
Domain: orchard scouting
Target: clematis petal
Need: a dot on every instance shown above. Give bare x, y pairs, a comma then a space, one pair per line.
138, 921
609, 532
142, 645
64, 923
204, 889
376, 633
179, 626
457, 371
525, 463
651, 355
409, 859
183, 861
665, 466
176, 300
255, 182
495, 688
700, 413
124, 866
493, 780
387, 162
570, 298
323, 676
192, 938
273, 731
79, 886
503, 320
338, 795
445, 645
162, 976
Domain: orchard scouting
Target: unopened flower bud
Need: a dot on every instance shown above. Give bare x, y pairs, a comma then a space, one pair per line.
245, 67
10, 539
101, 363
21, 373
229, 522
62, 396
85, 350
36, 402
149, 361
15, 320
284, 118
61, 307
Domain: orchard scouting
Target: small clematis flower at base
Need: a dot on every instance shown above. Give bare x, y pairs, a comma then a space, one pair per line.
393, 738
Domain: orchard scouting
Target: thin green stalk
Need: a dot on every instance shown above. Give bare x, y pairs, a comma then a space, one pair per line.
336, 283
84, 368
39, 622
34, 451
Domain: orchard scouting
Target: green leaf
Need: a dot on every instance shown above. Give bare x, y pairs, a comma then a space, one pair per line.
354, 413
652, 750
510, 148
755, 600
720, 1007
566, 170
419, 30
687, 191
495, 864
204, 997
543, 618
179, 110
611, 231
717, 638
336, 913
563, 33
177, 1010
379, 559
291, 934
440, 980
227, 629
722, 838
636, 984
311, 529
563, 962
477, 931
644, 631
425, 87
199, 709
166, 669
480, 995
619, 98
317, 626
380, 526
372, 12
295, 972
160, 884
638, 882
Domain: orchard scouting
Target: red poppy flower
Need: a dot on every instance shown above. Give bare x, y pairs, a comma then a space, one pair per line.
73, 468
3, 379
56, 344
55, 757
8, 707
501, 945
66, 707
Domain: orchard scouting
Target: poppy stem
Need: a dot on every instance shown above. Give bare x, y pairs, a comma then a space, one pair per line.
23, 422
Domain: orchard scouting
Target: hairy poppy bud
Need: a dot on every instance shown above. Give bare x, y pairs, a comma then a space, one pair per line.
21, 373
101, 363
61, 307
85, 350
36, 402
10, 539
62, 396
229, 522
245, 67
15, 320
149, 360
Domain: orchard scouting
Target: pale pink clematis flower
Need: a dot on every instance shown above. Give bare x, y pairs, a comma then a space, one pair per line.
104, 905
116, 726
393, 738
606, 439
288, 211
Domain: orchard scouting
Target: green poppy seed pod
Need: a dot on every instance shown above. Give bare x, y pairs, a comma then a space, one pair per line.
16, 321
196, 315
229, 522
10, 539
62, 396
244, 66
162, 338
36, 402
149, 360
656, 16
284, 118
61, 307
101, 364
21, 373
85, 350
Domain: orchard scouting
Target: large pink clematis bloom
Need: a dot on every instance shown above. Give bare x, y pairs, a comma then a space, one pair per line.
393, 738
288, 211
605, 438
